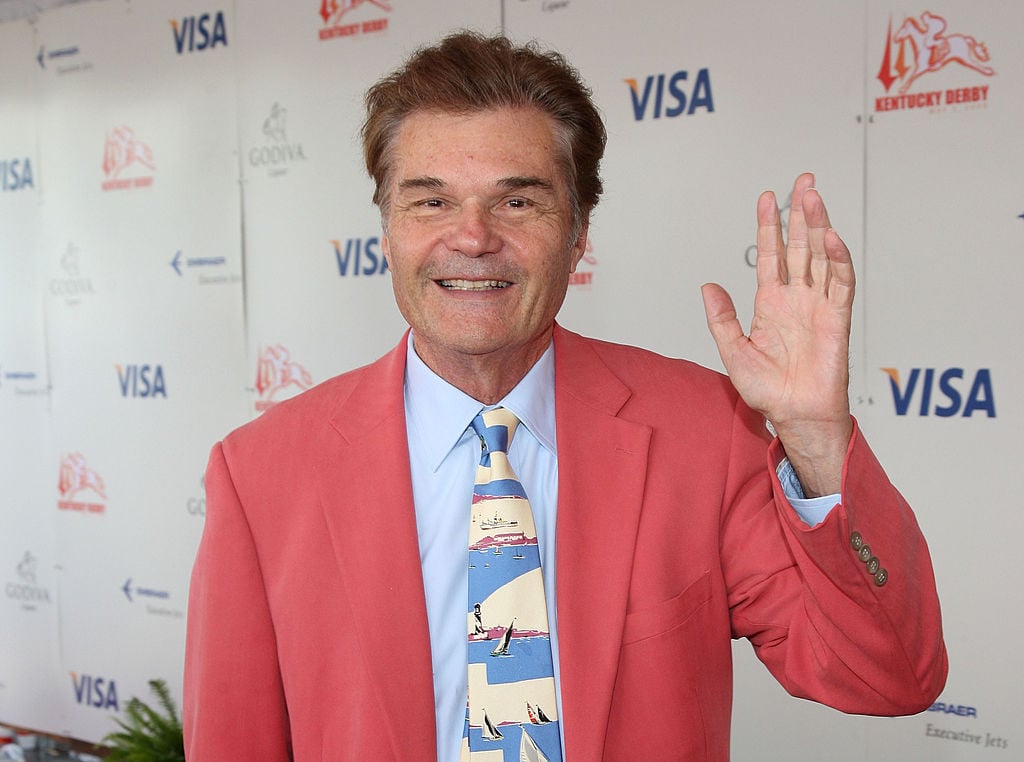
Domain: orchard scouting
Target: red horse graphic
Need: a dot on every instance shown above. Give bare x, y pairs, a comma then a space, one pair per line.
334, 10
275, 370
932, 49
123, 149
75, 476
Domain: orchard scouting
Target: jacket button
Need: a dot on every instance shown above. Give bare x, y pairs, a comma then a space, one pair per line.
881, 577
873, 565
856, 540
865, 553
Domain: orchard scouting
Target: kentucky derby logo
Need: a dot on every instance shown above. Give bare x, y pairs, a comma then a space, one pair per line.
122, 151
920, 46
338, 23
76, 478
275, 370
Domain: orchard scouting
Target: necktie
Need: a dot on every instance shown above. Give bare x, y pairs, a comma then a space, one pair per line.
511, 713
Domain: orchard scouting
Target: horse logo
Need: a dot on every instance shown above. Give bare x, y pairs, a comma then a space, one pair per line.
76, 476
331, 11
929, 50
122, 149
275, 370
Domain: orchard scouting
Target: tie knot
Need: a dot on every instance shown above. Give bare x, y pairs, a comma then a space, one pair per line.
496, 428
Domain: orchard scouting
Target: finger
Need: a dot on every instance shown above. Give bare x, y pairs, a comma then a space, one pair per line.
817, 222
771, 263
722, 321
798, 257
842, 279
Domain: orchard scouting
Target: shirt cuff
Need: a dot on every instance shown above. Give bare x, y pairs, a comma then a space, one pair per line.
811, 510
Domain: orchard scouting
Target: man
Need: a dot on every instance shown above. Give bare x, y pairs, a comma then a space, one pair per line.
328, 614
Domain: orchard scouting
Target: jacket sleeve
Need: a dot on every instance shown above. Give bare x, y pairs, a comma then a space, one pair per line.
846, 612
234, 706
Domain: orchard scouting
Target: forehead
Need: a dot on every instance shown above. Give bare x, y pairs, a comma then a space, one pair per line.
487, 144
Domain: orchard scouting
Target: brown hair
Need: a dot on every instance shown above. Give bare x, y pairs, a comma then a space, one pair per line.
468, 72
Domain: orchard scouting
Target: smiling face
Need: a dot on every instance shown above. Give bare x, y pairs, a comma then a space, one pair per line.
479, 237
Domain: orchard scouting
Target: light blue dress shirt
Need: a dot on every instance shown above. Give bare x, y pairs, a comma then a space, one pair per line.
443, 455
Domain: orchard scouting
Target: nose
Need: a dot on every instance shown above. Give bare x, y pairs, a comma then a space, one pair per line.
474, 230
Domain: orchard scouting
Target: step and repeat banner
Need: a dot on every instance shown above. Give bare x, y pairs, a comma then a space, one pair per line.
187, 238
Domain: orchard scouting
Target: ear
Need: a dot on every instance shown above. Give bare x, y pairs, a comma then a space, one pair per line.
385, 247
580, 247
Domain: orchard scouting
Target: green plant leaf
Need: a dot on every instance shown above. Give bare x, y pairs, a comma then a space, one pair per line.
148, 735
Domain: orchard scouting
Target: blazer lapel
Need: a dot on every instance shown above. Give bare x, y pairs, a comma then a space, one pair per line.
602, 468
366, 492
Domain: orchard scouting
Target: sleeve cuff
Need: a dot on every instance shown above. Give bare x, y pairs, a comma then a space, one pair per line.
811, 510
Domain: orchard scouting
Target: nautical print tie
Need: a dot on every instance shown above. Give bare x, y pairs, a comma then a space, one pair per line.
511, 713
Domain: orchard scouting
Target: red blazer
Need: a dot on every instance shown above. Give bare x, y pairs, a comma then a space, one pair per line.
307, 628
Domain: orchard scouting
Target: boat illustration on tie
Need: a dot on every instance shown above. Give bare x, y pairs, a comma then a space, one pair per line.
489, 731
498, 523
502, 648
529, 751
500, 633
536, 714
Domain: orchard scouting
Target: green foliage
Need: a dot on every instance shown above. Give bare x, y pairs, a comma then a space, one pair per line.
147, 735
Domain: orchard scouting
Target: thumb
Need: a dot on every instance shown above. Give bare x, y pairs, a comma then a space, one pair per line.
721, 316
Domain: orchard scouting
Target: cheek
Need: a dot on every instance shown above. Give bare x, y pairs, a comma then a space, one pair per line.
398, 259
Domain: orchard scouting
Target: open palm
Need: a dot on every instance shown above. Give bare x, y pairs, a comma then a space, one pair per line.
793, 366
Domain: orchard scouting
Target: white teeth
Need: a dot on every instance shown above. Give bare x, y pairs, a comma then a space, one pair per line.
459, 284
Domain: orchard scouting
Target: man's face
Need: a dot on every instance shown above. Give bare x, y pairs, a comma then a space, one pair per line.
478, 234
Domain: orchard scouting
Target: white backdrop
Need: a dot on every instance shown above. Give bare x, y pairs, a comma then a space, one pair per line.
187, 238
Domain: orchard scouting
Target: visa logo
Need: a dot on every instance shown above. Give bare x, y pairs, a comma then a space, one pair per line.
193, 33
16, 174
95, 691
661, 94
141, 380
362, 256
941, 392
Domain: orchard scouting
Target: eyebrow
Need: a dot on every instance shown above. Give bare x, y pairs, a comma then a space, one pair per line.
430, 183
516, 182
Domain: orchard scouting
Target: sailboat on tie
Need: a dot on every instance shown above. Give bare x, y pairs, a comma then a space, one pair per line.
502, 648
489, 731
528, 749
537, 717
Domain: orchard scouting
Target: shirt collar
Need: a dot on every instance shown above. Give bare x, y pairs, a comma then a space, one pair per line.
439, 413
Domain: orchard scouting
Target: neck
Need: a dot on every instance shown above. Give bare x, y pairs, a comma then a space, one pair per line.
487, 378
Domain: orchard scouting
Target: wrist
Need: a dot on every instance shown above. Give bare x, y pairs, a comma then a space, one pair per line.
817, 452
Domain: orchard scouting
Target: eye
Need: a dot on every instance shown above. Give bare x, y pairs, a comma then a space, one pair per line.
518, 202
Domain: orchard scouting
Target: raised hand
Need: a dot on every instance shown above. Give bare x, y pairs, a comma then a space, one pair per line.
794, 365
